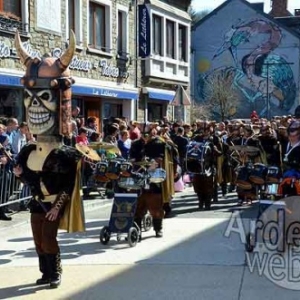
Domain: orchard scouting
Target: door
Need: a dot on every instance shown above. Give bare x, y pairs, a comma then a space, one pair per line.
93, 109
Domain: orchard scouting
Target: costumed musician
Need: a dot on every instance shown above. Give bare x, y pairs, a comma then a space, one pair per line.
233, 158
203, 181
50, 169
153, 197
291, 162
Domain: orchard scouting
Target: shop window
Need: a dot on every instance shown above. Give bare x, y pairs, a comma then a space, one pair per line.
11, 9
157, 34
155, 112
122, 33
112, 110
182, 42
11, 16
170, 36
99, 27
75, 19
11, 104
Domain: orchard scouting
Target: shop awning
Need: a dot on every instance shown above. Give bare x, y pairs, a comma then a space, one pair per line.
104, 92
181, 97
159, 94
10, 80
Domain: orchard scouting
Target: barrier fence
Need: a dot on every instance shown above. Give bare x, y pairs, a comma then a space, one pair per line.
12, 191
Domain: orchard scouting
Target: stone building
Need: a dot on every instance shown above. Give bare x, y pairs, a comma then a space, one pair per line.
112, 79
103, 67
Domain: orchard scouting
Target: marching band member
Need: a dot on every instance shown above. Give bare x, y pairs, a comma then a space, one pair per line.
50, 169
152, 198
203, 184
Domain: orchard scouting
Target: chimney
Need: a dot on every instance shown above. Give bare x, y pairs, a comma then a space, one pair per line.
258, 6
279, 9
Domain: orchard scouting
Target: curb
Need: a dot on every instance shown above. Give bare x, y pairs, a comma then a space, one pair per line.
88, 204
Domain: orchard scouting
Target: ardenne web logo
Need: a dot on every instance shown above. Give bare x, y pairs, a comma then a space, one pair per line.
273, 239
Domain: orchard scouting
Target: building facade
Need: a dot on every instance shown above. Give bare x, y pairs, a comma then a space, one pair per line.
164, 58
103, 67
254, 51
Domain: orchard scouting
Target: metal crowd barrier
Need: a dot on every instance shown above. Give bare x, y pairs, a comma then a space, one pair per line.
11, 189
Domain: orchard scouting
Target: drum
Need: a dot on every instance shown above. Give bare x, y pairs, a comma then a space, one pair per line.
100, 171
273, 175
113, 170
125, 169
258, 174
199, 158
242, 180
157, 176
135, 182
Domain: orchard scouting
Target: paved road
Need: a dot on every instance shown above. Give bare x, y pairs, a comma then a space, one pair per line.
194, 260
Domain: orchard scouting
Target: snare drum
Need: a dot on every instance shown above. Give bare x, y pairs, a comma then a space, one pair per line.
258, 174
100, 171
113, 170
242, 180
125, 169
134, 182
157, 176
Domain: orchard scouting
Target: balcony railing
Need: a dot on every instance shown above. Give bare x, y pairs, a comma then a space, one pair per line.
12, 25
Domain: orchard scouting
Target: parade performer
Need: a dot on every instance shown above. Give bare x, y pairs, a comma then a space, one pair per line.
203, 179
290, 185
153, 198
50, 169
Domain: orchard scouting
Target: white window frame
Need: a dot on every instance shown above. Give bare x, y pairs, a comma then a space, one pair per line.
78, 22
108, 27
124, 10
163, 59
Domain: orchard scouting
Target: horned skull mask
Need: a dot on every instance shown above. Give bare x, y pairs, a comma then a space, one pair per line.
47, 84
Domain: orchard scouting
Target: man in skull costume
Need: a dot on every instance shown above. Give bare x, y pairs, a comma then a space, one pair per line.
49, 168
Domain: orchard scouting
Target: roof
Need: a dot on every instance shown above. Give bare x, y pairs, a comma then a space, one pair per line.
215, 11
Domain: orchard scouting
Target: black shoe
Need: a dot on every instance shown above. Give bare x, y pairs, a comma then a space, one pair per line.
55, 282
42, 281
159, 233
4, 217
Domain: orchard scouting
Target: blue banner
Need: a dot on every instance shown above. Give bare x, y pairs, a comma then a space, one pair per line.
144, 32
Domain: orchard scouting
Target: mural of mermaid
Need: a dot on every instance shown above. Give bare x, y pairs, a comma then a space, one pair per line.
264, 77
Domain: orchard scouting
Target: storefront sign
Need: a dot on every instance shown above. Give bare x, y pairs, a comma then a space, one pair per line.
105, 93
144, 31
32, 52
76, 63
111, 71
4, 50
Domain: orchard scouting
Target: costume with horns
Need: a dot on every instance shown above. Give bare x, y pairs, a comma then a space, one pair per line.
50, 169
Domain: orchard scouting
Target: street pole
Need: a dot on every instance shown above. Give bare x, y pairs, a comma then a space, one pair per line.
136, 55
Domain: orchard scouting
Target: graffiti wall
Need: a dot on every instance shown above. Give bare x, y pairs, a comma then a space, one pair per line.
261, 57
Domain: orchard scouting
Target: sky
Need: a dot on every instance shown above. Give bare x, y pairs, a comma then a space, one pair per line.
199, 5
